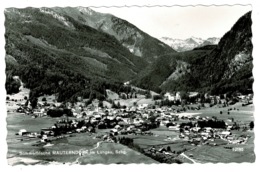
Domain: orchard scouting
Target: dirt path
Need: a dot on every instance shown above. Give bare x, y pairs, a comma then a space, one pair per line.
185, 156
81, 155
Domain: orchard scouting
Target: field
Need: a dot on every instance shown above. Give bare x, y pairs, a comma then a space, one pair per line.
244, 113
238, 153
79, 142
138, 101
16, 121
112, 153
219, 154
162, 137
206, 153
107, 153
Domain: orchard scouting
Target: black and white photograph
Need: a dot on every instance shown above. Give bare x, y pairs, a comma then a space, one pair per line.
129, 84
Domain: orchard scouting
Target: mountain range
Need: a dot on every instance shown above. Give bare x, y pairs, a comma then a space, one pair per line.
181, 45
75, 52
216, 69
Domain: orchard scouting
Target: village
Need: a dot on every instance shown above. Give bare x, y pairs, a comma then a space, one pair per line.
184, 123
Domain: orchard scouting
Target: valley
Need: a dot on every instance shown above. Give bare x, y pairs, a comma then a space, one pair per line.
138, 128
85, 87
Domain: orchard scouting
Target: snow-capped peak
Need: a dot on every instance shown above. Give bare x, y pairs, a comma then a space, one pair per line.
197, 40
189, 43
85, 10
213, 40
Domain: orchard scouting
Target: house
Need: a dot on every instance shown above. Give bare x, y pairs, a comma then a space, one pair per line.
186, 131
229, 137
39, 113
162, 150
204, 134
208, 129
118, 127
97, 117
174, 128
229, 127
130, 128
142, 106
44, 138
22, 132
57, 104
122, 123
47, 130
195, 129
110, 117
224, 134
193, 94
197, 117
126, 83
170, 96
114, 131
181, 135
178, 96
78, 130
83, 128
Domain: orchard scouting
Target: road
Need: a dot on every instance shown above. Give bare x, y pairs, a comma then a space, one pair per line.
185, 156
81, 155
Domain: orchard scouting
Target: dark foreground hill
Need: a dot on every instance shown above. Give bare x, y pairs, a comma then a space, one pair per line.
219, 69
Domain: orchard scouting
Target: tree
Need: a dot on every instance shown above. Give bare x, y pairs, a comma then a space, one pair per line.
184, 95
25, 98
148, 95
100, 104
114, 105
215, 101
118, 105
44, 99
251, 125
59, 112
169, 149
34, 102
26, 103
12, 85
124, 96
157, 97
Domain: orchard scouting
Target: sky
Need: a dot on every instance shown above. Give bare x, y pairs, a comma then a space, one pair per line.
181, 22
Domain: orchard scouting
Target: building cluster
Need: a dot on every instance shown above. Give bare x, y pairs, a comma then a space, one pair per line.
137, 119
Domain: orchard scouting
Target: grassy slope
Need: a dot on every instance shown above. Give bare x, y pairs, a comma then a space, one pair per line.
131, 156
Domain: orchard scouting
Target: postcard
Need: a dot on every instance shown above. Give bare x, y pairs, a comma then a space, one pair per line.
129, 84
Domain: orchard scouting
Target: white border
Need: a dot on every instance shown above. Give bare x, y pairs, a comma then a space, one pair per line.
174, 167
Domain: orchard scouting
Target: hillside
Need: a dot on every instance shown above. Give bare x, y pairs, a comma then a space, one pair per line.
74, 51
229, 66
166, 68
136, 41
52, 53
219, 69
